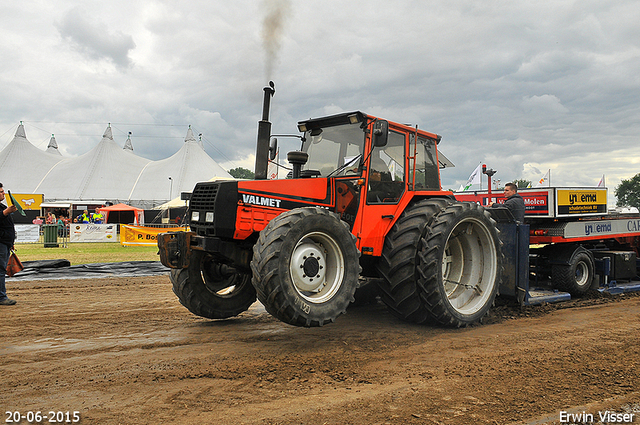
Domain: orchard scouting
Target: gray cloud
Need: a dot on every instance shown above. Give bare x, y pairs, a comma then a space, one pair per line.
94, 39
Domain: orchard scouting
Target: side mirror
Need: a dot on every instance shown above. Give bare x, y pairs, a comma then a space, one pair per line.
273, 149
380, 133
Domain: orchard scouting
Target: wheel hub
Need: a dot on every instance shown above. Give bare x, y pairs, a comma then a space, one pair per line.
311, 266
308, 267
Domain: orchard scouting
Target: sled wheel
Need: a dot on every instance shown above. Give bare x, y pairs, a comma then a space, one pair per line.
213, 290
305, 267
460, 265
577, 276
397, 266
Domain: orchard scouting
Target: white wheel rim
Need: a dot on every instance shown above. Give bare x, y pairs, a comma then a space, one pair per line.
582, 273
319, 253
469, 266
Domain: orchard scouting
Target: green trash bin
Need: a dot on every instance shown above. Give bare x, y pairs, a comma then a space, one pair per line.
50, 235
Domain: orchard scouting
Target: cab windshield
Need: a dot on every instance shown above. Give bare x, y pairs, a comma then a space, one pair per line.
332, 148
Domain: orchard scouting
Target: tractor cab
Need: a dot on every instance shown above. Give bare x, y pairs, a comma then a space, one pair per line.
356, 144
378, 166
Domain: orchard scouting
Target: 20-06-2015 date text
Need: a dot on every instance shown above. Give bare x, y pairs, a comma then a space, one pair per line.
37, 417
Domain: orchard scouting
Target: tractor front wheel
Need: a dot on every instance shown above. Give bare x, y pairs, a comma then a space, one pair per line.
213, 290
305, 267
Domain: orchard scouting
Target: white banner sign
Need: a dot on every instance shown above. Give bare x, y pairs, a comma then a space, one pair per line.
93, 232
27, 233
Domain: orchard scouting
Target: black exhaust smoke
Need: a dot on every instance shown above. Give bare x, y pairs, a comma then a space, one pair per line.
264, 134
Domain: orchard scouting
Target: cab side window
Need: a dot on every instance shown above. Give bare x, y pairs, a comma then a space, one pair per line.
386, 177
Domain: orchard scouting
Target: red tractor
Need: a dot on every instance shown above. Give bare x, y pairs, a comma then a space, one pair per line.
363, 199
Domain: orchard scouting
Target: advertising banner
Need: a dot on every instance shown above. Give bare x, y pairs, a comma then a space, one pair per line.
89, 232
602, 228
538, 203
29, 201
27, 233
138, 235
582, 201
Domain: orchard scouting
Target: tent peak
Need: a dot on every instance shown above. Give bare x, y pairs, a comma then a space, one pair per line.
20, 131
190, 137
53, 146
107, 133
128, 145
52, 142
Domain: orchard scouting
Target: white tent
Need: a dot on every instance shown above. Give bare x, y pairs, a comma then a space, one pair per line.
23, 166
106, 173
167, 178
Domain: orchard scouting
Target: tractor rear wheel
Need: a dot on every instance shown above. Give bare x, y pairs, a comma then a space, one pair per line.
305, 267
398, 264
460, 264
213, 290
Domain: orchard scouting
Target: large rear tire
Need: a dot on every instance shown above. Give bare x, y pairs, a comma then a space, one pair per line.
460, 265
305, 267
398, 264
213, 290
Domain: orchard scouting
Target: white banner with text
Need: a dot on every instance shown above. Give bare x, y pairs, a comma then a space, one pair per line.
89, 232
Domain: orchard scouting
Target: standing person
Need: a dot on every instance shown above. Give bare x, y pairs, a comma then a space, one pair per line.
7, 237
85, 217
97, 217
61, 227
514, 202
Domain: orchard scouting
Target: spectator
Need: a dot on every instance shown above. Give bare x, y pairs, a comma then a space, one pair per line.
97, 217
85, 217
61, 227
7, 237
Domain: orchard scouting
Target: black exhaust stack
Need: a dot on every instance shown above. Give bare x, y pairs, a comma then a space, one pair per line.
264, 134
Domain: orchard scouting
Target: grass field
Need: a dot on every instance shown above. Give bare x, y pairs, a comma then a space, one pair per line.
86, 253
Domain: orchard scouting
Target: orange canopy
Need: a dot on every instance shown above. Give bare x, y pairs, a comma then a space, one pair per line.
123, 213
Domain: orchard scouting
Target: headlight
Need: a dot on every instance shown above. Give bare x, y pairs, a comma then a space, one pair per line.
195, 216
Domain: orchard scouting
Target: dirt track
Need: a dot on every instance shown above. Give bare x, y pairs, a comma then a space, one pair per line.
125, 351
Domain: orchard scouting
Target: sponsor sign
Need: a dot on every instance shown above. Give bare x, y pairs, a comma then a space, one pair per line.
537, 203
29, 201
581, 201
89, 232
139, 235
615, 227
27, 233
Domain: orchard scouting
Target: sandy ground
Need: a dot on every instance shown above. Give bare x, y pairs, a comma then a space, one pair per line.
124, 351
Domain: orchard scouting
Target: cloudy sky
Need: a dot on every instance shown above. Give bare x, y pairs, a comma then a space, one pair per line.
521, 86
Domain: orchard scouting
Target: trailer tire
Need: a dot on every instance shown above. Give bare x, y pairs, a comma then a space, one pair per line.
398, 265
460, 265
210, 289
305, 267
577, 276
